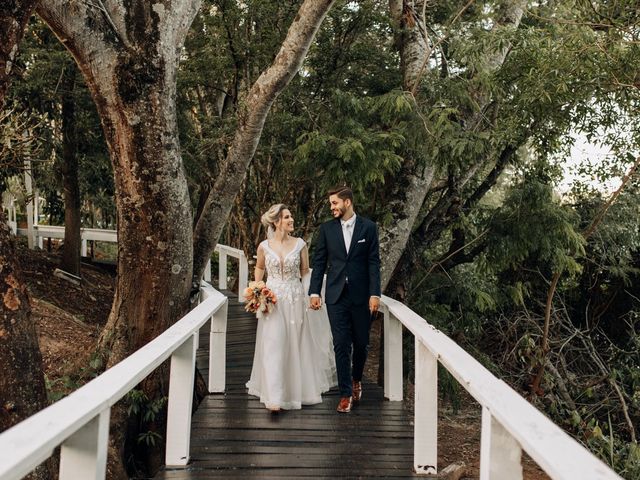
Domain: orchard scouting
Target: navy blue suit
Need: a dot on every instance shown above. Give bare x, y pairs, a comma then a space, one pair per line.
352, 278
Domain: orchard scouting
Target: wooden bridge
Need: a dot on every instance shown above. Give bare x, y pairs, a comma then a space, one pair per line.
232, 436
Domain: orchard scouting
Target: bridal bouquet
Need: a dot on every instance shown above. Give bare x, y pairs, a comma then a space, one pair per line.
259, 299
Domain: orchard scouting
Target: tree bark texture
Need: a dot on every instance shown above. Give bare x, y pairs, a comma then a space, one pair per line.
410, 186
22, 364
412, 39
14, 15
128, 53
71, 188
251, 117
22, 387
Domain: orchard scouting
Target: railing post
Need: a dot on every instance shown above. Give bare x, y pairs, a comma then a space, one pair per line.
183, 364
28, 185
218, 350
84, 454
83, 248
13, 215
392, 357
222, 269
500, 453
207, 272
243, 276
425, 438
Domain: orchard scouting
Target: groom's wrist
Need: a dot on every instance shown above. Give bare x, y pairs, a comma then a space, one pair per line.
314, 295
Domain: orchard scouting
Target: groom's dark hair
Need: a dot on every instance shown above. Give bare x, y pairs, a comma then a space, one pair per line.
343, 193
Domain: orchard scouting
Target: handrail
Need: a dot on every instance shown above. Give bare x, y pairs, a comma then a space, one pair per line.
243, 266
54, 231
80, 421
102, 235
510, 424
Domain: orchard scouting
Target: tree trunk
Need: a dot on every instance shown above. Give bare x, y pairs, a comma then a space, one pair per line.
411, 184
22, 387
128, 53
412, 40
69, 169
251, 120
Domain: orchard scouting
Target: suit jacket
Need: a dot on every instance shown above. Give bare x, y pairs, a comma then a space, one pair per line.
361, 266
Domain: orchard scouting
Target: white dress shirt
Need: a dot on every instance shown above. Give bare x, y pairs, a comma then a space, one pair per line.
347, 230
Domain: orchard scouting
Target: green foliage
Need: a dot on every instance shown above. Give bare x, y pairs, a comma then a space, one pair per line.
146, 412
35, 102
63, 385
569, 67
533, 224
361, 145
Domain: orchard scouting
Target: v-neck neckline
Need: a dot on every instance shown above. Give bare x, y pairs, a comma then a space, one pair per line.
282, 259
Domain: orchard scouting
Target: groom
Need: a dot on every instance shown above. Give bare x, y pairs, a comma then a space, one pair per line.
347, 251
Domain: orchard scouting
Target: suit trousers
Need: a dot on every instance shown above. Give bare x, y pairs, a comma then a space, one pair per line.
350, 326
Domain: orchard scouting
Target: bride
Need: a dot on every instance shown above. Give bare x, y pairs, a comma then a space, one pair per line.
293, 363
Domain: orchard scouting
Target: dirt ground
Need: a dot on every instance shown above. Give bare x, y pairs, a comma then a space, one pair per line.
69, 319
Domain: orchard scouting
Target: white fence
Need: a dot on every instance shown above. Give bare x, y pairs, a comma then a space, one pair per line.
510, 424
41, 232
243, 268
9, 204
79, 423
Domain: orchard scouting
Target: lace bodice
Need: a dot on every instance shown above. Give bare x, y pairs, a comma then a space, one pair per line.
284, 277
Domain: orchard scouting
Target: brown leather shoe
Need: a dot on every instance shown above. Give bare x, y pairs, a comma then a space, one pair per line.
357, 391
345, 405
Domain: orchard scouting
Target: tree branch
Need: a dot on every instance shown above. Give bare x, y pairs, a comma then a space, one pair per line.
251, 120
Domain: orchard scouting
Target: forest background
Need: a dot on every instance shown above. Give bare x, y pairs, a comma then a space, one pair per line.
451, 120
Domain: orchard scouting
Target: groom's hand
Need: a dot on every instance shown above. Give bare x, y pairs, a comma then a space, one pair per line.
374, 304
316, 303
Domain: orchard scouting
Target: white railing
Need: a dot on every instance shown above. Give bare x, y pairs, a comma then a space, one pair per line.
41, 232
243, 268
510, 424
79, 423
100, 235
9, 204
52, 231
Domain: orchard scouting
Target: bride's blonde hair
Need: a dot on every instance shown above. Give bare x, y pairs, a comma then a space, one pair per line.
271, 216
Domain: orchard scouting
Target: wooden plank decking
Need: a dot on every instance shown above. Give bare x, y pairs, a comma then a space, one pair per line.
234, 436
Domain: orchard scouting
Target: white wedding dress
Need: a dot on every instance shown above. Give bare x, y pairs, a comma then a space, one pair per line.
293, 363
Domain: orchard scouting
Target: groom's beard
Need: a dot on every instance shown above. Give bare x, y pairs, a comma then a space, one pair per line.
339, 212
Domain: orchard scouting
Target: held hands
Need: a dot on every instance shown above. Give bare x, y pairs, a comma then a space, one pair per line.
374, 304
316, 303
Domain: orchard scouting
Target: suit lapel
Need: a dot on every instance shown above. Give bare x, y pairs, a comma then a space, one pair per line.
339, 236
357, 229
